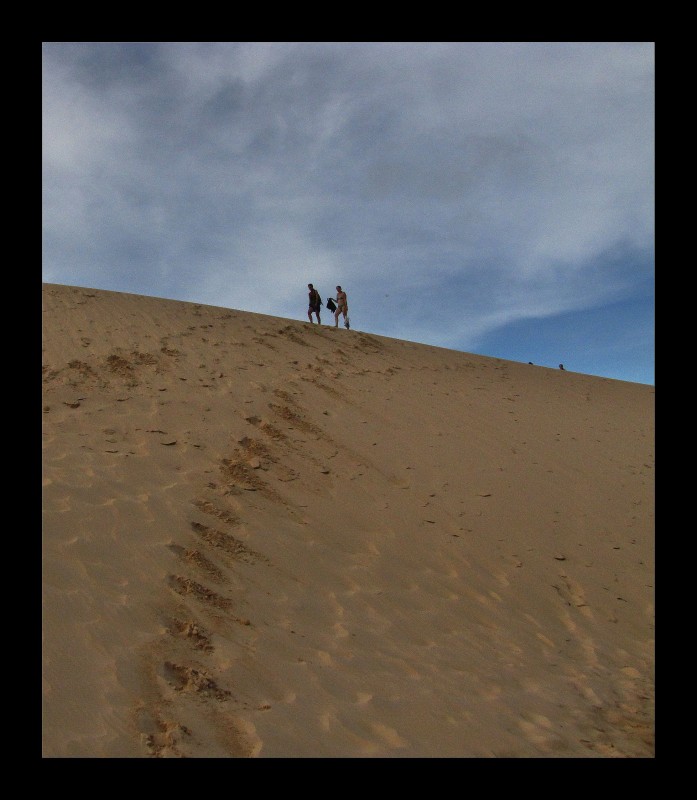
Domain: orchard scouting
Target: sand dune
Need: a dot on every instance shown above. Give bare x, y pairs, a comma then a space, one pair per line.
265, 538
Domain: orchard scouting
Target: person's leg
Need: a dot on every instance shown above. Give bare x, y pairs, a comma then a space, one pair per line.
336, 317
309, 314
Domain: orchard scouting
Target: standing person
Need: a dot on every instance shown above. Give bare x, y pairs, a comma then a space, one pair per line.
341, 307
315, 303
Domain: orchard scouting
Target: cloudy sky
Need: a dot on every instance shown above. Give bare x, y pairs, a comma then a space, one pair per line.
490, 197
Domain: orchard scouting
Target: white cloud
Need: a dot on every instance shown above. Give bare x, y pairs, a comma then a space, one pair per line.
517, 175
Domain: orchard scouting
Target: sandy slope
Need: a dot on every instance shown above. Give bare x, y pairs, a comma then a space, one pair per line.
264, 538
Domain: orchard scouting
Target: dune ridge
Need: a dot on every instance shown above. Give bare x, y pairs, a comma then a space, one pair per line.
265, 538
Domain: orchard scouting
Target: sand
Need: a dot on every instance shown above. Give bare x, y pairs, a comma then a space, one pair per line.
264, 538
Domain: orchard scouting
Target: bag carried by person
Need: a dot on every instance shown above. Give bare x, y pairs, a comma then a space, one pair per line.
331, 305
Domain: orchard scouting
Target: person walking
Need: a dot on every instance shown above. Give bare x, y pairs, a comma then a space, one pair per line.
341, 307
315, 303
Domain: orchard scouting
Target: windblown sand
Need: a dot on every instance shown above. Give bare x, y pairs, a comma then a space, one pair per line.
265, 538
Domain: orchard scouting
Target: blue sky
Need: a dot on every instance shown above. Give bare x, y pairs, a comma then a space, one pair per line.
490, 197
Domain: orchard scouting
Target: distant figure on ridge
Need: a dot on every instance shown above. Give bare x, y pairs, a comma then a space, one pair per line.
341, 307
315, 303
561, 366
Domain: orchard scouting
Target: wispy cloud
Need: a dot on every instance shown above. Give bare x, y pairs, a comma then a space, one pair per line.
513, 179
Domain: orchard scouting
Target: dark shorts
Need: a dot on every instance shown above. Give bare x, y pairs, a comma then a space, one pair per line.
314, 309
